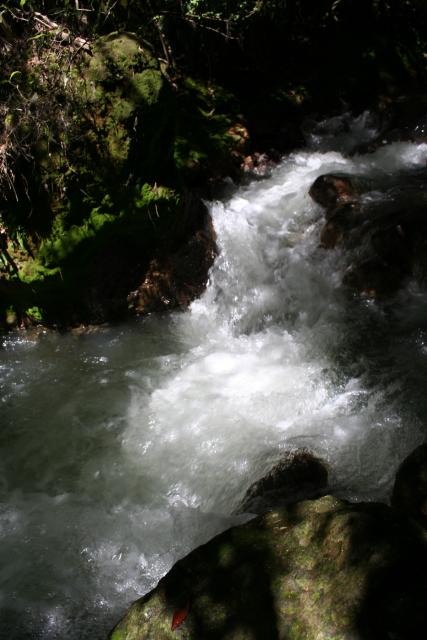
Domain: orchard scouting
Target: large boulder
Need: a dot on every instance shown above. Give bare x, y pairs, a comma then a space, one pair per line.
381, 223
175, 279
98, 198
103, 146
100, 125
316, 570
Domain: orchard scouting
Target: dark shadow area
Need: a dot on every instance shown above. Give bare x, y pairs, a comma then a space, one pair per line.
313, 568
225, 588
395, 587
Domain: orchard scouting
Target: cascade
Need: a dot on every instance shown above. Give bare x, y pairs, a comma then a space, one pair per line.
125, 449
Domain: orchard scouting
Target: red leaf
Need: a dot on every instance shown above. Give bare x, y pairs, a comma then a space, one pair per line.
179, 617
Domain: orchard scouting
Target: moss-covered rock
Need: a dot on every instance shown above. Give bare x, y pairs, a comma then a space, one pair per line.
112, 146
317, 570
99, 198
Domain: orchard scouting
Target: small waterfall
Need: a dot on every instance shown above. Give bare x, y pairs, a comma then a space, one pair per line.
123, 450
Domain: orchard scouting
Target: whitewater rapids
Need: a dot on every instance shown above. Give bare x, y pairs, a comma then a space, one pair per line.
123, 450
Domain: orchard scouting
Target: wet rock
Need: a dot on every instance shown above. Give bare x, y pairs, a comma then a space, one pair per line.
259, 164
373, 278
298, 476
382, 229
330, 236
393, 245
410, 488
330, 190
340, 195
319, 569
176, 279
339, 222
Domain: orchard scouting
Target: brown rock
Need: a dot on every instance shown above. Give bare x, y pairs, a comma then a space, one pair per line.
298, 476
330, 236
332, 189
339, 223
259, 164
175, 280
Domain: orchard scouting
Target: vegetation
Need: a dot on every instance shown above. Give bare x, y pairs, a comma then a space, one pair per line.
110, 110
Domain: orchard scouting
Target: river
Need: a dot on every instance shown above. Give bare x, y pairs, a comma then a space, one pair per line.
123, 449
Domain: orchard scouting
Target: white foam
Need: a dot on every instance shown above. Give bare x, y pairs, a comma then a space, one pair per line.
127, 449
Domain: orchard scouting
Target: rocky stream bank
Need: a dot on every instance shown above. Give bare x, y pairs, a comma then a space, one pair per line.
311, 566
307, 570
108, 147
106, 158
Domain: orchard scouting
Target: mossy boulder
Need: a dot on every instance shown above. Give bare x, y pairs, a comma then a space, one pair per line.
99, 198
120, 133
132, 107
102, 196
318, 570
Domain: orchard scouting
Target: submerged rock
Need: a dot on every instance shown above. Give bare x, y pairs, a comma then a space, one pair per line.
298, 476
315, 570
410, 488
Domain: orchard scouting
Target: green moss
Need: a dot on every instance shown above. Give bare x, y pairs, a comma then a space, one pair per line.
121, 109
204, 136
57, 285
117, 141
105, 174
147, 86
35, 313
226, 555
10, 316
32, 271
115, 55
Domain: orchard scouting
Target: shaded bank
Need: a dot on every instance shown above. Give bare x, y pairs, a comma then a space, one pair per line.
111, 115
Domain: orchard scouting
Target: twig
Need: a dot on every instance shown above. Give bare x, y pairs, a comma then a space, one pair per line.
65, 35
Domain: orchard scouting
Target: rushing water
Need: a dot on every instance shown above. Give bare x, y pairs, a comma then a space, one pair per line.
123, 450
